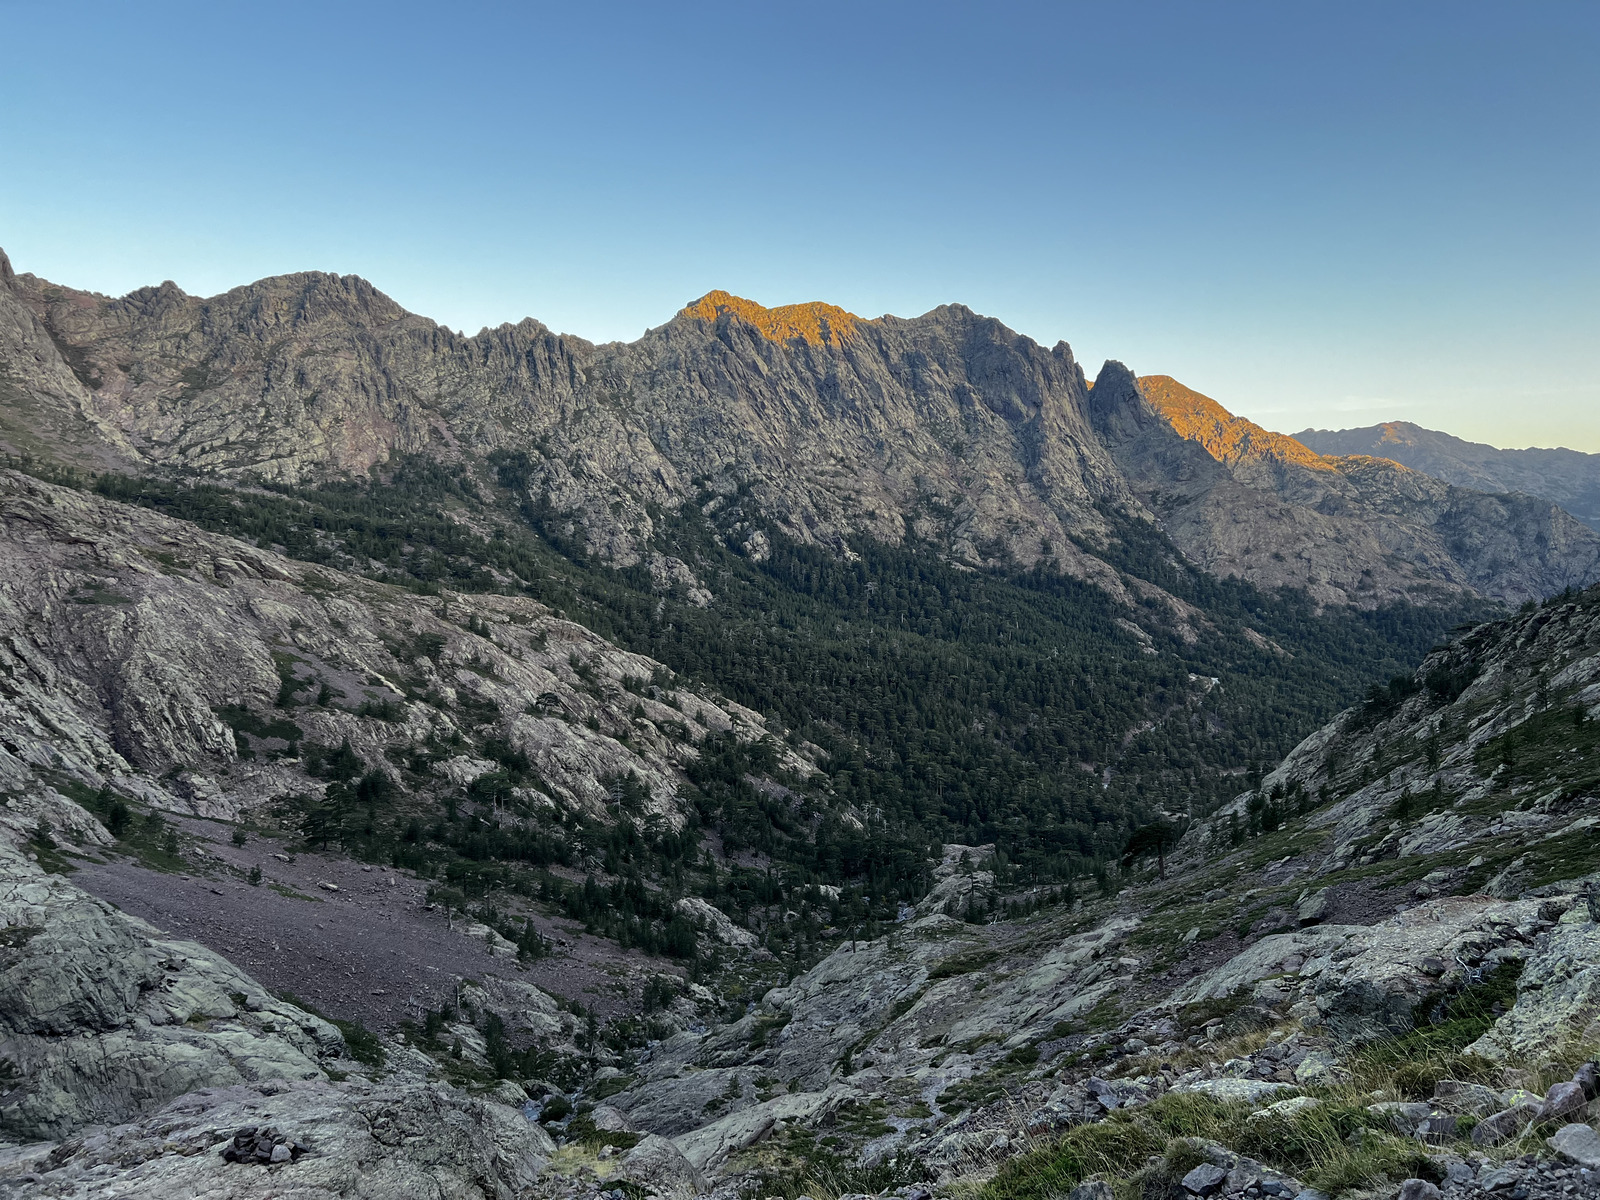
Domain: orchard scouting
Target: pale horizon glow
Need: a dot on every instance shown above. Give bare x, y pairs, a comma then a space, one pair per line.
1320, 216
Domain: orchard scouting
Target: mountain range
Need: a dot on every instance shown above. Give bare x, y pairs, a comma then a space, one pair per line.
789, 754
1569, 478
948, 428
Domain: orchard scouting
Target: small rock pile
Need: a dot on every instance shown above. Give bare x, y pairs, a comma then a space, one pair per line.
1567, 1099
1527, 1178
1229, 1174
262, 1144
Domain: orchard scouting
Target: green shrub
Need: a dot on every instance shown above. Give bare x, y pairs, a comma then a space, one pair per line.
360, 1041
962, 964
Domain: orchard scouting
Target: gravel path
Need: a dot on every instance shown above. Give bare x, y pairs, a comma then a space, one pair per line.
371, 950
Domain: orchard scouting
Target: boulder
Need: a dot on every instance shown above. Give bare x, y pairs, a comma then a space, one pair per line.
716, 924
1505, 1124
1402, 1116
711, 1145
1417, 1189
1588, 1078
1562, 1100
1580, 1143
1233, 1091
1095, 1189
1319, 1068
609, 1119
658, 1166
1204, 1179
1473, 1099
1437, 1128
1558, 999
1313, 907
1285, 1108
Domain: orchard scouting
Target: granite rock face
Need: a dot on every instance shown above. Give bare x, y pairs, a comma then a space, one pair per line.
102, 1017
948, 426
395, 1142
130, 641
1241, 500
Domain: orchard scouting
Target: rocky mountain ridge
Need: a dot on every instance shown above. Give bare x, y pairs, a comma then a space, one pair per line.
947, 427
1569, 478
1238, 499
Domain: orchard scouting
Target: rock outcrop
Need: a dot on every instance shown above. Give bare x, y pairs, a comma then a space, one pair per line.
103, 1017
130, 641
376, 1142
1558, 998
1240, 500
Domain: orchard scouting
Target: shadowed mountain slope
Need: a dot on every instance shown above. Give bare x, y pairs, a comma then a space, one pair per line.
1240, 500
1569, 478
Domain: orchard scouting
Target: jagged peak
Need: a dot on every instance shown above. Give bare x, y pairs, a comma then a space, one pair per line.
1227, 438
815, 323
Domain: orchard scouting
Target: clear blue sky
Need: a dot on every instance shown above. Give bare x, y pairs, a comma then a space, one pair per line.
1324, 214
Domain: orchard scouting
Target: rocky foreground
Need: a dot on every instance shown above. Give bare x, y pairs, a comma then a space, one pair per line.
1390, 988
947, 1054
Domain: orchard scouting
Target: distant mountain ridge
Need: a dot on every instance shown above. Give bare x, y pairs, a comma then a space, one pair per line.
948, 428
1569, 478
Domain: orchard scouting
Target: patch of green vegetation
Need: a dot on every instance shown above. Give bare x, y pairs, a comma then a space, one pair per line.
1200, 1011
1335, 1146
289, 893
242, 721
765, 1026
964, 963
1567, 856
288, 683
98, 593
582, 1129
382, 710
169, 562
364, 1045
47, 852
607, 1088
1555, 747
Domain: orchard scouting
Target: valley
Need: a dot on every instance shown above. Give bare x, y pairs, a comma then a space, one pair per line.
789, 754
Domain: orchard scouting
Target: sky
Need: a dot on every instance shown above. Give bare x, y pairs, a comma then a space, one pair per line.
1321, 214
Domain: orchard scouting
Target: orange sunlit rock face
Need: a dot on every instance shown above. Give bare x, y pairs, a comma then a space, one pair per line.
1229, 439
816, 323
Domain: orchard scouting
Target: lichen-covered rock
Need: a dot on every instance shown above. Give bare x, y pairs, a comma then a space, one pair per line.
1505, 1124
400, 1142
658, 1166
1558, 999
711, 1145
716, 924
102, 1017
1364, 979
1234, 1091
1578, 1142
